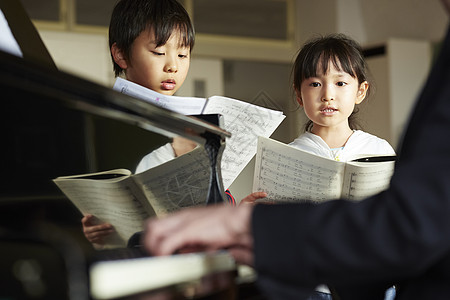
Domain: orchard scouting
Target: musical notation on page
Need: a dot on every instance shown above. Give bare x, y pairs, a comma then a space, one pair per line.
289, 174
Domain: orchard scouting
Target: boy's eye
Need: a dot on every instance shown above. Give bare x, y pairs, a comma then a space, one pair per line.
182, 55
315, 84
341, 83
157, 53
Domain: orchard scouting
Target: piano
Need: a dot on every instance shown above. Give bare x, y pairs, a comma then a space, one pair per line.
55, 124
47, 121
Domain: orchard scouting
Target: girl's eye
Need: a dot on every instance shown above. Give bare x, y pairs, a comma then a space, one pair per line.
315, 84
341, 83
157, 53
182, 56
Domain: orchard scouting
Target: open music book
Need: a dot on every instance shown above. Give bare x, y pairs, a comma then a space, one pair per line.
127, 277
245, 122
125, 200
289, 174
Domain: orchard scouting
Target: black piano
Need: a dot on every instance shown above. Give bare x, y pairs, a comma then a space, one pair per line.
56, 124
50, 121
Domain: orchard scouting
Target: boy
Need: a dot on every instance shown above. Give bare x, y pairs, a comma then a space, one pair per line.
151, 43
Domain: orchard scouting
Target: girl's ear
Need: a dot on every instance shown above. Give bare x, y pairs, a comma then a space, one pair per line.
298, 97
118, 56
362, 92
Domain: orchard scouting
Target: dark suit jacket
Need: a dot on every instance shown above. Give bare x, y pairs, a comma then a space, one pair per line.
400, 236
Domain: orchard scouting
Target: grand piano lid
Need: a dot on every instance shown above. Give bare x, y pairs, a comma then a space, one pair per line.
90, 97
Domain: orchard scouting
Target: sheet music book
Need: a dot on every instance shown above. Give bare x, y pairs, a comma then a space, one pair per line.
289, 174
125, 200
244, 120
127, 277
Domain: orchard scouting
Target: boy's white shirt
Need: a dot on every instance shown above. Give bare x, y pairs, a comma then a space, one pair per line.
155, 158
359, 143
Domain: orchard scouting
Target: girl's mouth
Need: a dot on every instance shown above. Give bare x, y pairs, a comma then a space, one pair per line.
328, 110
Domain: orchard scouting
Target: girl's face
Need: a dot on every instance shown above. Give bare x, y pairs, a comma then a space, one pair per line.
162, 69
329, 99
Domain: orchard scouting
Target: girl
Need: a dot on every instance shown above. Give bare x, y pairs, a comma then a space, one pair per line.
330, 78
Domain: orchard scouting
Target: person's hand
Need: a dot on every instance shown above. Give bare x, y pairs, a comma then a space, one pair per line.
203, 229
95, 232
251, 199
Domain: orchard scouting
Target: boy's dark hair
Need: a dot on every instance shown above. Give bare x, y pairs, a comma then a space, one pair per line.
343, 52
130, 17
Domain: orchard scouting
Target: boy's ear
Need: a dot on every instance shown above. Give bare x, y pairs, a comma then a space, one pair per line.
362, 92
118, 56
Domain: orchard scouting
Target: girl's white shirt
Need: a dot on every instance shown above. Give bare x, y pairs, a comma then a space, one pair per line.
359, 143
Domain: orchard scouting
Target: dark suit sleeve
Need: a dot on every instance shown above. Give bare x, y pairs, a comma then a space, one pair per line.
395, 235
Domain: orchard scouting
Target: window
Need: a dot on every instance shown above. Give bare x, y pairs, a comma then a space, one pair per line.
46, 10
267, 19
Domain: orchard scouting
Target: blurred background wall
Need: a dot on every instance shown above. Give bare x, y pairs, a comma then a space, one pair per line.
245, 50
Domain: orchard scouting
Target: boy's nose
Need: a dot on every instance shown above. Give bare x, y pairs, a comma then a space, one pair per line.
171, 68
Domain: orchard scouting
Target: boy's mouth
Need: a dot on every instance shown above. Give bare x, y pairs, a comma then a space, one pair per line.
168, 84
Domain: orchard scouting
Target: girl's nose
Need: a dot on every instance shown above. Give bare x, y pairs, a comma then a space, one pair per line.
327, 95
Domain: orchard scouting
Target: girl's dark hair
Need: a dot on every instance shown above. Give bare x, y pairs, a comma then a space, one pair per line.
344, 53
130, 17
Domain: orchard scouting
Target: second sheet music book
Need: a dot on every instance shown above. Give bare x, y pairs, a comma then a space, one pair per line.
289, 174
125, 200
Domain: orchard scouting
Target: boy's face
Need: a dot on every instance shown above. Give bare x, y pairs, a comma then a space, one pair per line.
162, 69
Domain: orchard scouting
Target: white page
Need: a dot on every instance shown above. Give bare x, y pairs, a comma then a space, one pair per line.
289, 174
182, 105
246, 122
7, 41
366, 179
110, 201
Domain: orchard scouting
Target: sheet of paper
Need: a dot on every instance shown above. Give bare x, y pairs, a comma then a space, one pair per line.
7, 41
290, 175
246, 122
182, 105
